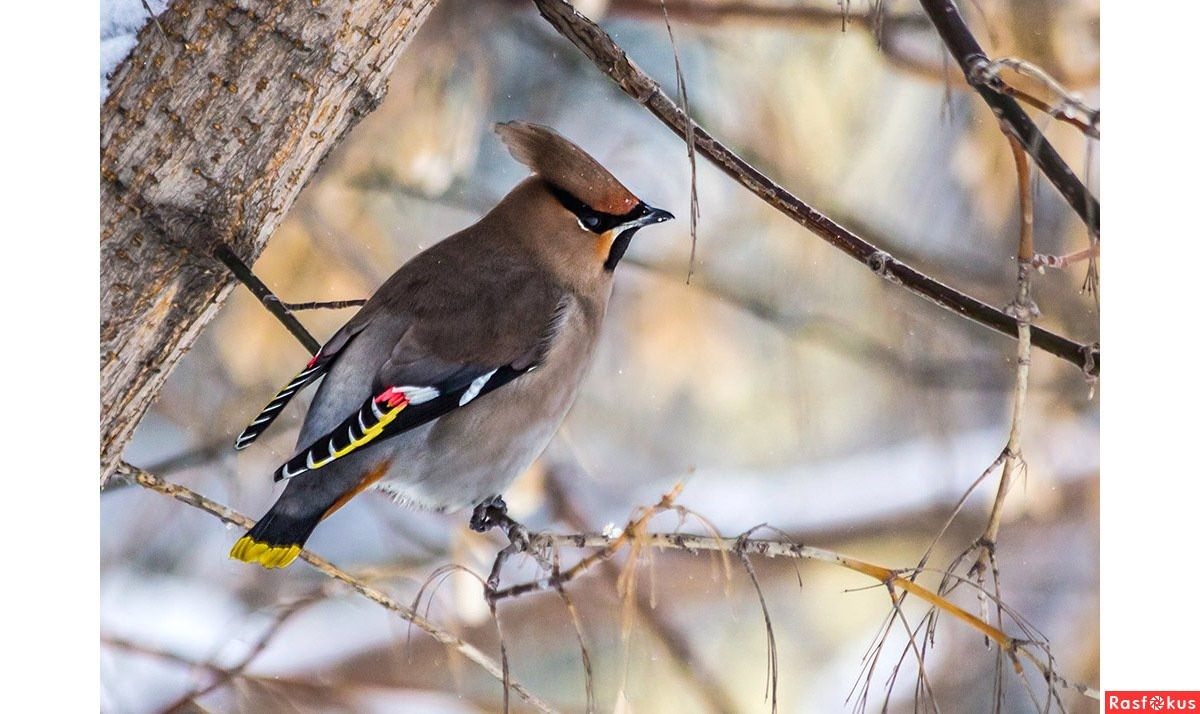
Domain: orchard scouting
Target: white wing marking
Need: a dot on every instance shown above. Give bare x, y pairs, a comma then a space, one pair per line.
418, 395
475, 388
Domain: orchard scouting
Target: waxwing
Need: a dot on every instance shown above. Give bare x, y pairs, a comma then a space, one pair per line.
454, 376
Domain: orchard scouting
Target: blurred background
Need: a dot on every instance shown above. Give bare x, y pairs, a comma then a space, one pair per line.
785, 384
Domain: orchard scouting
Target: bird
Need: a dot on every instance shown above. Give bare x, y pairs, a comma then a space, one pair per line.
454, 376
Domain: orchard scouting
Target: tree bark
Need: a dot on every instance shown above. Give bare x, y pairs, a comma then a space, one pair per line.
215, 121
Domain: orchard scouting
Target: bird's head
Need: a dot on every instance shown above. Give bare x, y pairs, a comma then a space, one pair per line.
579, 215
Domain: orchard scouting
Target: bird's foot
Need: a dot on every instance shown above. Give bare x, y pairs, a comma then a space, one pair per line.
489, 514
493, 513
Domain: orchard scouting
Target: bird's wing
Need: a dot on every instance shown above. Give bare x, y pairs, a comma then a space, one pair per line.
395, 410
314, 370
430, 373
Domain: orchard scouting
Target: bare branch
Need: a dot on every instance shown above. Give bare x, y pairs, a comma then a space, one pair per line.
1062, 262
183, 494
138, 648
887, 28
743, 11
1066, 107
260, 290
1025, 310
226, 675
923, 682
689, 139
772, 649
703, 681
635, 534
586, 658
327, 305
600, 48
976, 67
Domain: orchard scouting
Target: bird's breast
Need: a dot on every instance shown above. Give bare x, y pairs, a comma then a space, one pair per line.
477, 450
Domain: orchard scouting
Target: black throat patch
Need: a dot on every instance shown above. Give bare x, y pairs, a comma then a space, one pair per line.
619, 246
599, 222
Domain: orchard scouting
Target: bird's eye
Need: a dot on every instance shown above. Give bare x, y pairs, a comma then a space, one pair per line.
590, 221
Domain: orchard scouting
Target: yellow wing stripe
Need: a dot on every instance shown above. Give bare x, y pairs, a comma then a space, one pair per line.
375, 430
249, 550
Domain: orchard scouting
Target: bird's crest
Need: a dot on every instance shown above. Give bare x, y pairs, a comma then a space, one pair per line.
566, 166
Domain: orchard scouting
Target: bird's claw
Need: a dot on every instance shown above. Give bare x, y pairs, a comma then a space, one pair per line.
519, 536
489, 514
493, 513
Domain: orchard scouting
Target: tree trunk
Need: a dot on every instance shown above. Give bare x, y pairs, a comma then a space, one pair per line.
214, 123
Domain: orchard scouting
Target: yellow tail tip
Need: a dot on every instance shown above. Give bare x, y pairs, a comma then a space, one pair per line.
249, 550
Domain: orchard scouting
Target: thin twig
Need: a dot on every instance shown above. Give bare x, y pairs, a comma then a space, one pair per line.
689, 140
1025, 310
1066, 108
226, 675
1062, 262
876, 650
586, 658
887, 29
327, 305
775, 14
600, 48
194, 456
608, 545
1091, 282
772, 692
296, 683
923, 682
635, 535
153, 18
266, 297
702, 680
1033, 637
130, 646
185, 495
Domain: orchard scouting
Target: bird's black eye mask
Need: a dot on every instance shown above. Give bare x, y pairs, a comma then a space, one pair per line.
599, 222
589, 218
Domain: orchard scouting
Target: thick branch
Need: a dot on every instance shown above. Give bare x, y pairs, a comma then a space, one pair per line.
215, 121
976, 67
612, 60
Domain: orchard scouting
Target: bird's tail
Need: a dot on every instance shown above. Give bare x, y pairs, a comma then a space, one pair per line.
276, 540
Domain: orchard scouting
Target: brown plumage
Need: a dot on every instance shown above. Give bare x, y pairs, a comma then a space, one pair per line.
567, 166
457, 372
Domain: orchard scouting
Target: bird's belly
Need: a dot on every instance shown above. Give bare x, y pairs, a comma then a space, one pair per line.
476, 451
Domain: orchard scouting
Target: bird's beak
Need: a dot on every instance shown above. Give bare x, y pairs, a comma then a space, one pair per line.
646, 215
642, 215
